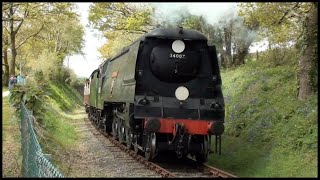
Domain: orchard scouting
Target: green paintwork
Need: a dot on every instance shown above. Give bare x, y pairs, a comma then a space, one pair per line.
93, 90
123, 88
124, 84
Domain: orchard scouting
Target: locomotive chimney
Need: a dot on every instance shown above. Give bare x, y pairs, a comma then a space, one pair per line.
180, 30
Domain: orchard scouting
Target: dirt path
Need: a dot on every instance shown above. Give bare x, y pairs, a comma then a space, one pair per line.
95, 156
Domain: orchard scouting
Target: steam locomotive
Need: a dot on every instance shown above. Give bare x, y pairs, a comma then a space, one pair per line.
161, 93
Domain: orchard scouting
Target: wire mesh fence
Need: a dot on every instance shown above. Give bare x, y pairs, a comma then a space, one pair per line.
34, 161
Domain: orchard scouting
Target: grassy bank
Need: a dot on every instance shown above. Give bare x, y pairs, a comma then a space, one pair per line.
57, 134
269, 133
54, 117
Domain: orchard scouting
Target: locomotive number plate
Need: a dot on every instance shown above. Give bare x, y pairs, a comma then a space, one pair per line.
177, 56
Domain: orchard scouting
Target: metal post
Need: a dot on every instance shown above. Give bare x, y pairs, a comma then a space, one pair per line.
216, 149
220, 145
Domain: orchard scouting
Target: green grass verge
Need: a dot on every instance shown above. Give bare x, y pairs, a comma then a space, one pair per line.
11, 138
269, 132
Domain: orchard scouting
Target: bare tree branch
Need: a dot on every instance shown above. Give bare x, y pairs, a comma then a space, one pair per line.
33, 35
26, 13
15, 31
287, 12
6, 28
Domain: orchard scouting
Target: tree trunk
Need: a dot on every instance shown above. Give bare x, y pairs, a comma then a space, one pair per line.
5, 60
308, 72
242, 55
227, 40
234, 54
13, 55
6, 67
222, 62
269, 44
13, 44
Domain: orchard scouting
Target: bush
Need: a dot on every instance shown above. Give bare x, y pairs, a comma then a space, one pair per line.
32, 96
280, 56
268, 131
48, 64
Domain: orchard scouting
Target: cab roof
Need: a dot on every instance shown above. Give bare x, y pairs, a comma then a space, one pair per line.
176, 33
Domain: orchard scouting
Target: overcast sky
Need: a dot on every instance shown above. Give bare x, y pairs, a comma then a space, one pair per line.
84, 65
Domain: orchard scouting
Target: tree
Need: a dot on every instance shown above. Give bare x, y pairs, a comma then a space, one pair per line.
61, 36
231, 36
14, 16
5, 48
243, 37
308, 71
116, 41
120, 16
64, 35
30, 28
36, 29
291, 22
120, 23
274, 27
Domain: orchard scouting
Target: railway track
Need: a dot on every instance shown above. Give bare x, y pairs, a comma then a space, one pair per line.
170, 166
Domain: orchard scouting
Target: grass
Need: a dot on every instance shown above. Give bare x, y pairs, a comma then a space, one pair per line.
56, 132
269, 133
54, 118
53, 127
66, 97
11, 137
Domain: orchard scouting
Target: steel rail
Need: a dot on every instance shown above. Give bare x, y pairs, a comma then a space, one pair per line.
212, 171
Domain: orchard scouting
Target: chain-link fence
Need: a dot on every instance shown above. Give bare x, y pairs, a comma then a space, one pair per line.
34, 162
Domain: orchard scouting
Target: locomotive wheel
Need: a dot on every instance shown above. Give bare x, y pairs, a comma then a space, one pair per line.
108, 120
103, 121
115, 128
121, 132
150, 148
202, 156
94, 117
88, 113
129, 137
99, 119
91, 116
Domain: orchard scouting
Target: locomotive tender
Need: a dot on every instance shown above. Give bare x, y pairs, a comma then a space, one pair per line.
162, 92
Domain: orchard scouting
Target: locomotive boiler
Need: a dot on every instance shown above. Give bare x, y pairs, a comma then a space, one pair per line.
161, 93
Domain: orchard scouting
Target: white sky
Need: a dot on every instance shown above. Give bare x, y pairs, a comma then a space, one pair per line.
211, 11
83, 66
